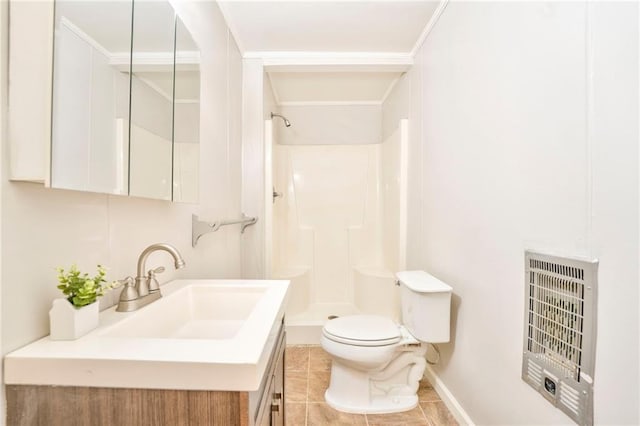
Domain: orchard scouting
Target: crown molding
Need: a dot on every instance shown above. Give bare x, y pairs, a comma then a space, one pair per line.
427, 29
328, 103
84, 36
230, 26
286, 61
390, 89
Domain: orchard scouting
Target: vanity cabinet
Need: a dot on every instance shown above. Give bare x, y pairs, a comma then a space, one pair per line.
29, 405
270, 411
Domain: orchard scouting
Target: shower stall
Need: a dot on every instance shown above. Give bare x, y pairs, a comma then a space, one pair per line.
337, 222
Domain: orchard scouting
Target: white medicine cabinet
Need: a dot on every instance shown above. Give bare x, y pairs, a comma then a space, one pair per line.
124, 98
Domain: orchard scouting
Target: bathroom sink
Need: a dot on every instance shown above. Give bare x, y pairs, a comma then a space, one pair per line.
193, 312
201, 335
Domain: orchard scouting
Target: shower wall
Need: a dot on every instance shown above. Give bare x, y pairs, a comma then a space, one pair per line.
331, 125
336, 229
393, 179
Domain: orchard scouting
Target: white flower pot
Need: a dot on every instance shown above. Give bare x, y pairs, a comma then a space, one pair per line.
67, 322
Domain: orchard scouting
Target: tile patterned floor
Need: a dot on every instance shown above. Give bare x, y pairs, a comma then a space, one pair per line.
307, 373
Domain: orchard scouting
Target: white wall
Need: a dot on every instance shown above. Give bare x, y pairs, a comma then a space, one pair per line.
529, 139
391, 194
396, 105
258, 102
613, 145
43, 228
405, 102
254, 98
220, 126
330, 124
4, 21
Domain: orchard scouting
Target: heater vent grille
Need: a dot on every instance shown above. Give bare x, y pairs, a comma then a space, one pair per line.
559, 340
570, 398
534, 372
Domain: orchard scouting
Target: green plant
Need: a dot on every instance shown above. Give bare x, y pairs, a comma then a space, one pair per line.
81, 289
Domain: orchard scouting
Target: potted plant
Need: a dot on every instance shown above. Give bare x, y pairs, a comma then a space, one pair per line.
77, 314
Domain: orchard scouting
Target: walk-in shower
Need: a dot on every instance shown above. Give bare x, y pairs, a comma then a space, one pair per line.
337, 231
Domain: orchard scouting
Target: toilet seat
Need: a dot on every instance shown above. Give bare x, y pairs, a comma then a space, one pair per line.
363, 330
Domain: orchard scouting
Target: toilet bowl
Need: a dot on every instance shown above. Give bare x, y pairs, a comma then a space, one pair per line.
376, 363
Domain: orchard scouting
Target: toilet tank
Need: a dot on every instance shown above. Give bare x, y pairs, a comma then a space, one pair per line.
426, 306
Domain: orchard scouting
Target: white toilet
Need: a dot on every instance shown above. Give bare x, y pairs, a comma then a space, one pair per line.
376, 363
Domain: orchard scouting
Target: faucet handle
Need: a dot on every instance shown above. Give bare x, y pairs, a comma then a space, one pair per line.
119, 283
129, 292
153, 282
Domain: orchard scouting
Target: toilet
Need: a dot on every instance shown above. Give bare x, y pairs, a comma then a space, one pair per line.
377, 364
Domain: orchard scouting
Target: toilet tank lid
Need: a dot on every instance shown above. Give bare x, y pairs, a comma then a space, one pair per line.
422, 282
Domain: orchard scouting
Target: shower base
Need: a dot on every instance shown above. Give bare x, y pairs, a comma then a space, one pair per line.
305, 328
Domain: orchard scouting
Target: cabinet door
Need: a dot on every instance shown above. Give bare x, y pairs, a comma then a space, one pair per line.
271, 409
152, 87
277, 411
266, 417
90, 105
186, 118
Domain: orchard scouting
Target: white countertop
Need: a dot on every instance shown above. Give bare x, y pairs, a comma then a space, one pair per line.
100, 359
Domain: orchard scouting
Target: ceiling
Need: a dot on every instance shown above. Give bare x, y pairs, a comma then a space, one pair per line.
324, 28
339, 87
327, 26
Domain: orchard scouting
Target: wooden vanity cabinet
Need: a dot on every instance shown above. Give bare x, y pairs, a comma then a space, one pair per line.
271, 411
29, 405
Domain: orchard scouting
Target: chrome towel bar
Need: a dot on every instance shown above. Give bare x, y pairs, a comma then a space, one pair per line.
200, 227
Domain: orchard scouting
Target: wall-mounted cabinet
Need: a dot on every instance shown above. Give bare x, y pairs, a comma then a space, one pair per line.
124, 99
152, 85
90, 96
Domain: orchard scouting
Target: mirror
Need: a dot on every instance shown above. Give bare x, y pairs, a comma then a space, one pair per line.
151, 127
186, 147
90, 106
126, 100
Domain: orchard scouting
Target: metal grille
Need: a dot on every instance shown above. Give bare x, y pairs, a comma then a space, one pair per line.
559, 342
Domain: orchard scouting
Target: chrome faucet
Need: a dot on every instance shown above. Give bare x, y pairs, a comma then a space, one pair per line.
145, 288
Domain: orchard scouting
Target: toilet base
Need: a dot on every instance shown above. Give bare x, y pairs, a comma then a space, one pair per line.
377, 405
392, 389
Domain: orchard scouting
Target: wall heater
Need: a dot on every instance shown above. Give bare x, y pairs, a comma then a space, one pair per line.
560, 332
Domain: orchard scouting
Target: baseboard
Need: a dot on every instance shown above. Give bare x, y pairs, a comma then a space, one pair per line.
447, 397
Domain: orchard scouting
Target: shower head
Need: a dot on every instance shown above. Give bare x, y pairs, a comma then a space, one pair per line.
286, 122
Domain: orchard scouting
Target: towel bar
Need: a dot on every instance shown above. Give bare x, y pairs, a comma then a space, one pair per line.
200, 227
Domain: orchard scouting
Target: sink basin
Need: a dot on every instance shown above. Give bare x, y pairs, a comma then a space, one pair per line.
201, 335
194, 312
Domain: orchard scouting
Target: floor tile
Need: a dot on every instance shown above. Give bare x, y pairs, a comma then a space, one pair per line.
295, 414
319, 360
426, 393
437, 413
318, 384
295, 383
307, 377
297, 358
320, 414
411, 417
